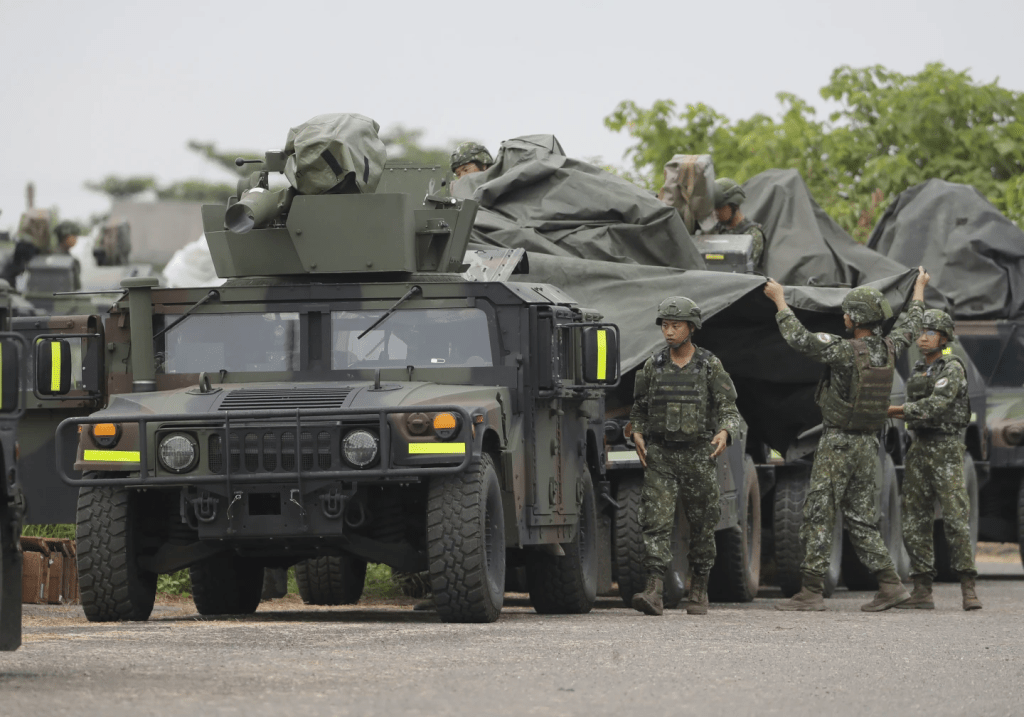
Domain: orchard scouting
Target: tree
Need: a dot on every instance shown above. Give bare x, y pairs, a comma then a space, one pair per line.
891, 132
121, 187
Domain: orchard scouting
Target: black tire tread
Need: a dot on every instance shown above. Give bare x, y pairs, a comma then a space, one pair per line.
226, 584
455, 548
728, 580
109, 590
629, 539
789, 553
331, 580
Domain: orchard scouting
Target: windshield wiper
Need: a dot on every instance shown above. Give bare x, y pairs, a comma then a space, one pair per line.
408, 295
214, 294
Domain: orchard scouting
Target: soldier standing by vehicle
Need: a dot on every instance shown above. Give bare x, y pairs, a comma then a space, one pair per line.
682, 399
937, 411
854, 398
728, 197
470, 157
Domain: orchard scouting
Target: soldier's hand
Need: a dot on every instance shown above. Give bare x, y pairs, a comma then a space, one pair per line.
720, 441
923, 277
895, 412
641, 448
774, 291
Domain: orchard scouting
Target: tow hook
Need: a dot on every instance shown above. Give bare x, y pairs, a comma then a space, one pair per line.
205, 507
333, 504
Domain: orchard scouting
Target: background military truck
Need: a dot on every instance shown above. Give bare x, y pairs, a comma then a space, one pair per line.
345, 395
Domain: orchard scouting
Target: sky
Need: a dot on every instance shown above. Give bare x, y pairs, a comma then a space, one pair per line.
89, 89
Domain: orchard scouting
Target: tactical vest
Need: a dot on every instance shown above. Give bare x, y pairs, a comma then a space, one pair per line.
869, 395
678, 400
922, 384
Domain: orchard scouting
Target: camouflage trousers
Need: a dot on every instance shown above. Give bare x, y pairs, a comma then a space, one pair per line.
844, 479
935, 471
673, 474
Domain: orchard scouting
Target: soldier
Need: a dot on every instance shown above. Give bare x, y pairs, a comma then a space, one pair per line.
682, 399
854, 396
728, 198
937, 411
67, 236
470, 157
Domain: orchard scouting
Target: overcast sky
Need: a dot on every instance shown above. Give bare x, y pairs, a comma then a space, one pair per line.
94, 88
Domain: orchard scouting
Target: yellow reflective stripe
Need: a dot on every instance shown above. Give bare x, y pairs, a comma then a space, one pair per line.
719, 257
55, 366
436, 448
602, 354
947, 351
113, 456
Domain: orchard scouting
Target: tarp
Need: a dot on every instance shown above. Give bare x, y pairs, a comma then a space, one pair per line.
536, 198
804, 245
332, 151
974, 254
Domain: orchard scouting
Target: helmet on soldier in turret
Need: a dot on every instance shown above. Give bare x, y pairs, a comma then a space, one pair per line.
940, 321
727, 191
679, 308
866, 306
471, 152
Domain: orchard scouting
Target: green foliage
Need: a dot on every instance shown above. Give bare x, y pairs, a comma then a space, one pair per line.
64, 531
179, 583
405, 144
121, 187
196, 190
226, 160
379, 583
891, 131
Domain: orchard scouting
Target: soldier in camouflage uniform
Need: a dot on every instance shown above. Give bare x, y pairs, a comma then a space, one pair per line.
937, 411
683, 398
470, 157
728, 197
854, 399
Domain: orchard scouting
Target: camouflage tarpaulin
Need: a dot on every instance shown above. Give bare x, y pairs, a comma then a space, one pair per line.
536, 198
333, 149
974, 253
805, 246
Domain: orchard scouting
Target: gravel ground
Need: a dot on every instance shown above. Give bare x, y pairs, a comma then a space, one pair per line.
385, 659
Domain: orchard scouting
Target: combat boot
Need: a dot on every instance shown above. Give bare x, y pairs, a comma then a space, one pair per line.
698, 600
921, 598
971, 601
809, 598
890, 592
425, 605
649, 601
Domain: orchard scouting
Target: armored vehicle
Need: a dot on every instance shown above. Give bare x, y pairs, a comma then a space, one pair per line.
346, 396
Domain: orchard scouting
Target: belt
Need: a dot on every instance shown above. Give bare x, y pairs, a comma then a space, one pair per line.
658, 439
933, 434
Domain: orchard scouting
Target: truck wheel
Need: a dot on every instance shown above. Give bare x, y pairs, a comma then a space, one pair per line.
567, 585
1020, 521
108, 533
630, 550
737, 571
226, 584
855, 575
943, 557
790, 494
466, 544
331, 580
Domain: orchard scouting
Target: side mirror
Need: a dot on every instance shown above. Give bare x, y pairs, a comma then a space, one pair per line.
53, 367
10, 386
600, 355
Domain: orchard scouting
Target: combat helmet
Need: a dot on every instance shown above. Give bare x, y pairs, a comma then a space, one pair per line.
866, 306
727, 191
67, 228
940, 321
679, 308
471, 152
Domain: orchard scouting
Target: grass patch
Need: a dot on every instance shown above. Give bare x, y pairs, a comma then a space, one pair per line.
64, 531
379, 583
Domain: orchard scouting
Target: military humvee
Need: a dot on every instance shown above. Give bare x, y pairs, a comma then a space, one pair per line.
347, 396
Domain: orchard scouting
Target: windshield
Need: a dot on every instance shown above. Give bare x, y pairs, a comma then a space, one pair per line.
233, 342
438, 338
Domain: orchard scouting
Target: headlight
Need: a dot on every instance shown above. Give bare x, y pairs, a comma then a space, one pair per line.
178, 453
105, 435
446, 425
359, 448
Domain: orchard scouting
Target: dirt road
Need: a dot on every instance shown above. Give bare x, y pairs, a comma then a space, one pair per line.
387, 660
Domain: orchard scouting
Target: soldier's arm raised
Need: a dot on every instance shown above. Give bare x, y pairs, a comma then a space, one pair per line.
823, 347
908, 327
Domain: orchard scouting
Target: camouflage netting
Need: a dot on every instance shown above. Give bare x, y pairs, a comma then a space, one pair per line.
974, 253
804, 245
335, 152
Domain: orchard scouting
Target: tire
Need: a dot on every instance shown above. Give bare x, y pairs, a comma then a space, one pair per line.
567, 585
790, 494
943, 556
226, 584
1020, 521
855, 575
466, 544
331, 580
108, 536
736, 574
630, 550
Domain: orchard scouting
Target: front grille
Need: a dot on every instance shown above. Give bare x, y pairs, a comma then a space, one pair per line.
257, 399
271, 450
